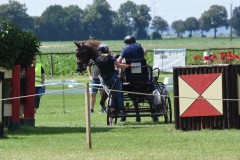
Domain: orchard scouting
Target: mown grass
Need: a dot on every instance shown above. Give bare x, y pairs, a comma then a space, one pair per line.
117, 45
60, 134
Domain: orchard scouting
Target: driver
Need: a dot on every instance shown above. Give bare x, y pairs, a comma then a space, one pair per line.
131, 50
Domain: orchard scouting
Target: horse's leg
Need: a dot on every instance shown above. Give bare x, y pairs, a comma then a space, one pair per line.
112, 112
104, 97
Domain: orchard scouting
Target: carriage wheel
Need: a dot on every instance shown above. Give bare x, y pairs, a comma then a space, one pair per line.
168, 111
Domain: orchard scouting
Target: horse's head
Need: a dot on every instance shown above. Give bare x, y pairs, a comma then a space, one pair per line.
84, 52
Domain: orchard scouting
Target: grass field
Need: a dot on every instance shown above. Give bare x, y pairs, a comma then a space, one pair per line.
60, 134
190, 43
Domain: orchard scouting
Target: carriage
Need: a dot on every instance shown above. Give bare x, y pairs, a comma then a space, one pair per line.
143, 95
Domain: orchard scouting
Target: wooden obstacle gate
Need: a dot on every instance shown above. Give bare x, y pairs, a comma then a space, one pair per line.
12, 109
207, 97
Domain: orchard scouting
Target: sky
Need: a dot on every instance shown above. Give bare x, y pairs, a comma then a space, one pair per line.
170, 10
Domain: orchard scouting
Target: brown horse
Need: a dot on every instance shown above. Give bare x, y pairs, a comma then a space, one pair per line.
85, 52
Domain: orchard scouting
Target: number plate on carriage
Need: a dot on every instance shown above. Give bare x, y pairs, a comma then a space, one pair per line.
138, 69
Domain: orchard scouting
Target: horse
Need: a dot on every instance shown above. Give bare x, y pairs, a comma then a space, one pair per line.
85, 52
88, 50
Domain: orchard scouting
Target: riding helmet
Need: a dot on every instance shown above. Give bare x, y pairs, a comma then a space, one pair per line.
129, 39
103, 48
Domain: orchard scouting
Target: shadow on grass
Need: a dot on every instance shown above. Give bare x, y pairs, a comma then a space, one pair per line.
45, 130
55, 130
139, 124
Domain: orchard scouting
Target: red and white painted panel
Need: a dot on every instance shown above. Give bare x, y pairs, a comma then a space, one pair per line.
200, 95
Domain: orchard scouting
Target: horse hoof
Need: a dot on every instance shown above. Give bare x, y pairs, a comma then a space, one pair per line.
110, 121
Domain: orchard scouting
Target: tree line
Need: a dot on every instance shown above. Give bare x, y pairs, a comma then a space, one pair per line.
98, 21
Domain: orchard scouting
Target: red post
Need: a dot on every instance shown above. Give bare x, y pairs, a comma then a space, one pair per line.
29, 102
15, 83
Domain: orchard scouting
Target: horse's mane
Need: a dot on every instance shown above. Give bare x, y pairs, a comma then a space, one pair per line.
90, 43
93, 43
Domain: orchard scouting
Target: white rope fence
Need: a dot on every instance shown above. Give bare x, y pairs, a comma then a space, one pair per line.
145, 94
101, 87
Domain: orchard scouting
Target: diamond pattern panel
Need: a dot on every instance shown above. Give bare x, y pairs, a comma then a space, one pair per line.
200, 95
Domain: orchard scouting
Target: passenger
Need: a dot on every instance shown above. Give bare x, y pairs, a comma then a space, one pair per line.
131, 50
106, 64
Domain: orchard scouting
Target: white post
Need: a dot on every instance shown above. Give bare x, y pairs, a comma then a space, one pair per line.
87, 115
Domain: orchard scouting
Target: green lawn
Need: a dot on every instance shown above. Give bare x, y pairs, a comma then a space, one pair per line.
60, 134
117, 45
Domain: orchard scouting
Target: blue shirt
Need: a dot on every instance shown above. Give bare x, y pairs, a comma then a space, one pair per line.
132, 51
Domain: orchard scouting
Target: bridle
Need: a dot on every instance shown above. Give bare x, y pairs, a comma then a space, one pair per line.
86, 51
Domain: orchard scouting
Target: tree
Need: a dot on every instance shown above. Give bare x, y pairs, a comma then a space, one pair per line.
236, 20
125, 14
218, 17
98, 19
16, 13
142, 20
159, 25
191, 24
53, 23
73, 23
17, 47
119, 28
179, 27
204, 23
36, 25
10, 42
58, 23
135, 17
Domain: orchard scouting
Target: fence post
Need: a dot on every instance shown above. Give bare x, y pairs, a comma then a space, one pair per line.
29, 102
87, 115
51, 59
15, 83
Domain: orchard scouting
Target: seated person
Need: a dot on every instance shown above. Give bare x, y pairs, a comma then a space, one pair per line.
140, 74
131, 50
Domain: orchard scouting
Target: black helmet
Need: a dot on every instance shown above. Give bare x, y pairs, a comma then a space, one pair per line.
103, 48
129, 39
